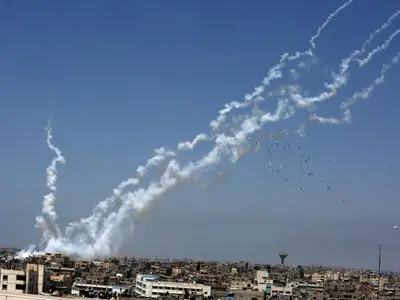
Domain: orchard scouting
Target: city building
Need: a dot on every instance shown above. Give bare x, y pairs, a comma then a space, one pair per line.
262, 278
33, 280
79, 289
151, 286
41, 276
278, 288
14, 281
62, 277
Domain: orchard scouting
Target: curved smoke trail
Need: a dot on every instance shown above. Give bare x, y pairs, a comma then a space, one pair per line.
274, 73
48, 209
365, 93
99, 236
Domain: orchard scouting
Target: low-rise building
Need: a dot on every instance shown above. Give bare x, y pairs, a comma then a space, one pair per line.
240, 284
278, 288
261, 280
33, 280
151, 286
13, 281
80, 288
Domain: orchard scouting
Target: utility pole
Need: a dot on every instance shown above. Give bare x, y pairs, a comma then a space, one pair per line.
379, 269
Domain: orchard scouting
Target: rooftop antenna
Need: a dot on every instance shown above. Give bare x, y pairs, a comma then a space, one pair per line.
379, 269
283, 256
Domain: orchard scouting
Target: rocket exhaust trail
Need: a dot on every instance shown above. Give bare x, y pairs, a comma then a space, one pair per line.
161, 154
365, 93
48, 208
107, 237
174, 174
327, 21
331, 120
345, 63
378, 49
341, 79
274, 73
343, 68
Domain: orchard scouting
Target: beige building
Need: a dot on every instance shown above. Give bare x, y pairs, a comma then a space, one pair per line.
280, 289
151, 286
13, 281
318, 277
42, 277
240, 284
261, 280
33, 280
264, 284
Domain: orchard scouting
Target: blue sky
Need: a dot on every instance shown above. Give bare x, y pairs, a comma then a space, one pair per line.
120, 78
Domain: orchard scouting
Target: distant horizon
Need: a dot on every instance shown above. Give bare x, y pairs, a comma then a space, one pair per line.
231, 261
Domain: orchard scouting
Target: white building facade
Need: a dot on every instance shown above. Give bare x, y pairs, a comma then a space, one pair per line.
152, 287
78, 286
30, 281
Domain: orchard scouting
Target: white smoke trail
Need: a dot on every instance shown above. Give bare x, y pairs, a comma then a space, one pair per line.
107, 238
190, 145
345, 63
331, 120
91, 223
340, 80
378, 49
330, 17
366, 91
48, 207
274, 73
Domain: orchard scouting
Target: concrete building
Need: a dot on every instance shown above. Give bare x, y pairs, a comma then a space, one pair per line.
279, 289
271, 287
78, 288
62, 276
41, 276
153, 287
33, 280
240, 284
262, 278
13, 281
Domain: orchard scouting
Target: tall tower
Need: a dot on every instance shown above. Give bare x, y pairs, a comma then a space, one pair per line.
283, 256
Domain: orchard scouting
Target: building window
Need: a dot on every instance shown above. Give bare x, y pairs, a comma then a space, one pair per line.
4, 287
21, 277
5, 277
20, 287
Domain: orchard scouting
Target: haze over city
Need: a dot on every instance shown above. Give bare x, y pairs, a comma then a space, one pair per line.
120, 79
